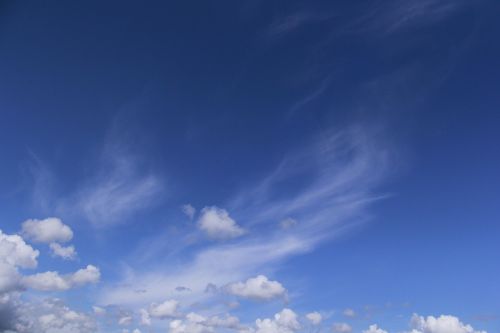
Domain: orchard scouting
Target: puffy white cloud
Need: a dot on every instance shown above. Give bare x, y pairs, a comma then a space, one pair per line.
9, 278
53, 281
259, 287
47, 231
180, 326
341, 328
375, 329
314, 317
167, 309
349, 313
15, 252
189, 210
65, 252
217, 224
89, 274
283, 322
441, 324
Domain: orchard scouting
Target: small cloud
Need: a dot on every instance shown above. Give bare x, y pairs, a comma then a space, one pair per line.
443, 323
375, 329
314, 317
341, 328
218, 225
167, 309
47, 231
182, 289
53, 281
65, 252
259, 287
189, 210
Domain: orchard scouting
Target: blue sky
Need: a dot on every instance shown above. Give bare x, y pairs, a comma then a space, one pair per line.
249, 166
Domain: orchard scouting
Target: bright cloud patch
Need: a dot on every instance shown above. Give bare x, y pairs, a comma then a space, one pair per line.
374, 329
53, 281
15, 252
167, 309
259, 287
314, 317
341, 328
283, 322
441, 324
217, 224
47, 231
65, 252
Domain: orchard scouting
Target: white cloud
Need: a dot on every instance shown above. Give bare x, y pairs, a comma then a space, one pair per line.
195, 323
349, 313
65, 252
314, 317
374, 329
189, 210
283, 322
47, 231
441, 324
180, 326
53, 281
217, 224
341, 328
343, 168
259, 287
15, 252
167, 309
9, 278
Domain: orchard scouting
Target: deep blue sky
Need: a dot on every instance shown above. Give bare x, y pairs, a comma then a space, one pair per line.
373, 126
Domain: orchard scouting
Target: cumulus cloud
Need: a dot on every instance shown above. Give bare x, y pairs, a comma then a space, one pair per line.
167, 309
283, 322
53, 281
314, 317
341, 328
47, 231
217, 224
374, 329
441, 324
65, 252
14, 254
47, 316
259, 287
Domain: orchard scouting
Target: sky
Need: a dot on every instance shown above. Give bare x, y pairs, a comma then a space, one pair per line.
250, 166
